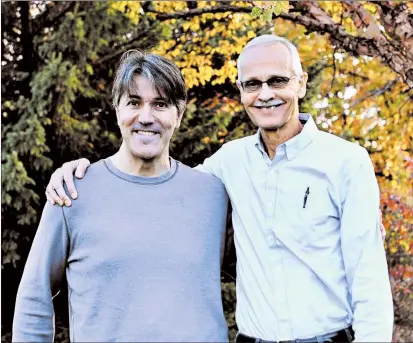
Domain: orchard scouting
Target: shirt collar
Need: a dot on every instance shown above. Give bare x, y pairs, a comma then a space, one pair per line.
297, 143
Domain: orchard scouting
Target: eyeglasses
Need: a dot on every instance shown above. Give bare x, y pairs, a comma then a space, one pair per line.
275, 82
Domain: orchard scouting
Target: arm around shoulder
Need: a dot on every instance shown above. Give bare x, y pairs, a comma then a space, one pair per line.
214, 164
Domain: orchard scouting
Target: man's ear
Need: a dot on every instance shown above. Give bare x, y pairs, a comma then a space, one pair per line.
239, 85
180, 116
302, 85
117, 115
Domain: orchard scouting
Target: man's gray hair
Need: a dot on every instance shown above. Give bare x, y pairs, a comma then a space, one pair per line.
161, 72
297, 69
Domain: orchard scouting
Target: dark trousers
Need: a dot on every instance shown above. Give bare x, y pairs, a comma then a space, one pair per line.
342, 336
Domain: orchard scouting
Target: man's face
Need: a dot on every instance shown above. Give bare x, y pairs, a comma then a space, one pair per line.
270, 107
147, 120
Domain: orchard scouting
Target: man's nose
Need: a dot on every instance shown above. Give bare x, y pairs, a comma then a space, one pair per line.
266, 93
145, 114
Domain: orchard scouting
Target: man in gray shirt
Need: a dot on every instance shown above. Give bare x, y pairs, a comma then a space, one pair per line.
141, 247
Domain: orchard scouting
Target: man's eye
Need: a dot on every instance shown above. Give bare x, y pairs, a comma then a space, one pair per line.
278, 80
133, 102
252, 84
161, 105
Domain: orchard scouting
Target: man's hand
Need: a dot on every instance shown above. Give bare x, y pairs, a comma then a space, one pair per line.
55, 192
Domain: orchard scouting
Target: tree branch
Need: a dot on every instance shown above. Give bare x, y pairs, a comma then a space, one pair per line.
314, 19
27, 63
49, 17
198, 11
409, 98
354, 74
146, 5
362, 19
334, 72
398, 24
388, 86
144, 36
375, 47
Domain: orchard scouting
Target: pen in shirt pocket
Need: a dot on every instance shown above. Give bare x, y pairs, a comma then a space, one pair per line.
307, 192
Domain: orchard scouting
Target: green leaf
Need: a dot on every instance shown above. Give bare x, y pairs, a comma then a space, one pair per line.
166, 31
277, 8
256, 11
267, 16
89, 69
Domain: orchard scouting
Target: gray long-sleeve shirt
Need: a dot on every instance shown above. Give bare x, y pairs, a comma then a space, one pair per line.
141, 257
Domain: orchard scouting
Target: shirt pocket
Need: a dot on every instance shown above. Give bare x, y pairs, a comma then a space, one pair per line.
311, 211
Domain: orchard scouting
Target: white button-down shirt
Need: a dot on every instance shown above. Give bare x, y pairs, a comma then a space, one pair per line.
306, 264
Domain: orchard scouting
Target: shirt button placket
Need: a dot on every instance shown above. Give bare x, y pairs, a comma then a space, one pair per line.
281, 304
281, 296
270, 202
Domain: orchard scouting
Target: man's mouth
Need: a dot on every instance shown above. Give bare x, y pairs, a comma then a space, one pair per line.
270, 107
145, 132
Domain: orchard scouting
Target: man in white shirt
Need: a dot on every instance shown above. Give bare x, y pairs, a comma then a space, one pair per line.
311, 265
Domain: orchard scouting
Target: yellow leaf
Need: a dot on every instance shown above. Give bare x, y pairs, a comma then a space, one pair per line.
250, 34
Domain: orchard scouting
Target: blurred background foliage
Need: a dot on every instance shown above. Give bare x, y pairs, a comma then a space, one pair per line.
58, 60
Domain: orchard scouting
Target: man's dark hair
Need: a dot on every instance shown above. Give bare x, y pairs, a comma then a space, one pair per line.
164, 75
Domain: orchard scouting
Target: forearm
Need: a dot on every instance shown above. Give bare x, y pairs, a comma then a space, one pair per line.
44, 270
33, 317
371, 297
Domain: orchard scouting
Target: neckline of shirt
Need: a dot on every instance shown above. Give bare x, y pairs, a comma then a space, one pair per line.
297, 143
142, 179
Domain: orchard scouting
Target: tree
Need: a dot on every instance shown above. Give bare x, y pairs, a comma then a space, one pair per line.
58, 60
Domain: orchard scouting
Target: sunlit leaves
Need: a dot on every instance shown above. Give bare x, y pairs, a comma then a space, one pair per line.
265, 11
131, 9
68, 113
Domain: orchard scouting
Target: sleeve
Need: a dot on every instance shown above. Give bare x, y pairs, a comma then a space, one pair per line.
364, 256
213, 165
44, 270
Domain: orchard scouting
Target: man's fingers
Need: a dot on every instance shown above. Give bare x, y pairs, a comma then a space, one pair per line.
68, 179
55, 192
64, 199
51, 194
82, 165
67, 170
56, 183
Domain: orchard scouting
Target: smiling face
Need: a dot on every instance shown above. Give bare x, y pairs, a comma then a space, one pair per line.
147, 120
274, 105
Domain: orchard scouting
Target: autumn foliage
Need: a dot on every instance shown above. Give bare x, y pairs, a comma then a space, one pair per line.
58, 60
